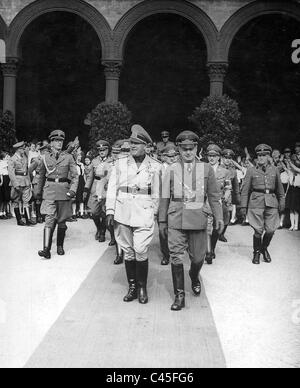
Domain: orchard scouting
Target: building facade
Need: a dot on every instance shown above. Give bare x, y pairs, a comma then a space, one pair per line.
219, 21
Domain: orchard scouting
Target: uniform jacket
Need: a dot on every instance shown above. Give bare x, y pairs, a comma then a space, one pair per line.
138, 206
268, 183
161, 146
19, 171
184, 196
235, 193
62, 168
98, 176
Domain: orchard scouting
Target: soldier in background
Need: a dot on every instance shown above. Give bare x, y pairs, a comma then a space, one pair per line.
19, 174
132, 203
264, 197
223, 177
57, 186
96, 186
165, 135
186, 186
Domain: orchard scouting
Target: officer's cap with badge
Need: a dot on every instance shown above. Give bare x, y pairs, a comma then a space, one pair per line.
165, 134
263, 150
187, 138
170, 150
228, 153
57, 135
19, 145
116, 148
102, 145
214, 150
139, 135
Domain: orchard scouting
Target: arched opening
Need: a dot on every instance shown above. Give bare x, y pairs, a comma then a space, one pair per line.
164, 76
265, 81
60, 79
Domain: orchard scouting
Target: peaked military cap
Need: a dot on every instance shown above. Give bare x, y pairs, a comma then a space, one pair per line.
214, 150
116, 148
228, 153
125, 146
165, 134
19, 145
287, 150
57, 135
102, 145
263, 149
170, 150
139, 134
187, 138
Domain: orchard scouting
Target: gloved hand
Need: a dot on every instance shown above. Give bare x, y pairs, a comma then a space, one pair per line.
220, 226
243, 212
71, 194
110, 221
163, 227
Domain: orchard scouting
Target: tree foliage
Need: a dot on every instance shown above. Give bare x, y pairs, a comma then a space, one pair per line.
109, 121
7, 131
217, 121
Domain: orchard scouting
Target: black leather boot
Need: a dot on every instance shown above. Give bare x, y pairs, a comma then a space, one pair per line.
102, 230
214, 241
39, 217
19, 218
130, 267
178, 282
222, 238
98, 225
257, 250
142, 268
194, 275
265, 245
29, 221
112, 237
61, 234
46, 252
119, 258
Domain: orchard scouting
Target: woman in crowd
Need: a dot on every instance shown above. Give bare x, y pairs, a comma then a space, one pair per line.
293, 194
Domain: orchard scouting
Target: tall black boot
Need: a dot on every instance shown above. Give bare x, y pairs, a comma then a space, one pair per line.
257, 250
112, 237
194, 275
265, 245
130, 267
29, 222
178, 282
39, 217
142, 268
61, 234
119, 257
46, 252
98, 226
19, 218
102, 230
222, 238
214, 241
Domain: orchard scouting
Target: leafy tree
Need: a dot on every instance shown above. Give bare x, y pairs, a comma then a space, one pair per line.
7, 131
109, 121
217, 121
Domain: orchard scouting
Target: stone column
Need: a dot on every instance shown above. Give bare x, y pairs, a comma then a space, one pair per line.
217, 72
10, 70
112, 73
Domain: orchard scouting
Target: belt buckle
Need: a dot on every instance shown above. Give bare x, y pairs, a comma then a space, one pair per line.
56, 180
134, 190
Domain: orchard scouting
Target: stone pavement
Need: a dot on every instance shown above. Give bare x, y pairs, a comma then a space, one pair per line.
69, 311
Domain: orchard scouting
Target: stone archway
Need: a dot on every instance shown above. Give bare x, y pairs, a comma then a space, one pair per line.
248, 13
151, 7
40, 7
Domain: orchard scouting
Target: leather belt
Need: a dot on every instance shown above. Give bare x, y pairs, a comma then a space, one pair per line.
264, 191
135, 190
59, 180
182, 200
21, 173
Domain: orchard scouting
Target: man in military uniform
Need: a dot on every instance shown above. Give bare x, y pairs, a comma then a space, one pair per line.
57, 186
19, 174
263, 195
186, 186
165, 135
223, 177
235, 199
132, 203
96, 186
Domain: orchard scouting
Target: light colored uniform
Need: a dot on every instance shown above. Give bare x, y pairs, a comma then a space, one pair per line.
19, 171
133, 200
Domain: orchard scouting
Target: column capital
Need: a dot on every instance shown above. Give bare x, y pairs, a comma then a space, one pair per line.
112, 69
10, 68
217, 71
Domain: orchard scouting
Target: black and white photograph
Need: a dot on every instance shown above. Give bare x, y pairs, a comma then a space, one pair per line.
149, 187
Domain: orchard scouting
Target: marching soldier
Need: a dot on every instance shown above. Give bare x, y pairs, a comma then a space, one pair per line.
57, 186
96, 186
19, 174
183, 215
165, 135
132, 203
264, 197
223, 177
235, 199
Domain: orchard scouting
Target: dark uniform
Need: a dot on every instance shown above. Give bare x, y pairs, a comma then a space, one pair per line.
58, 181
263, 195
19, 174
183, 214
163, 144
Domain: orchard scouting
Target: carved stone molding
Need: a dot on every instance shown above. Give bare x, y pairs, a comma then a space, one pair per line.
112, 69
217, 71
10, 68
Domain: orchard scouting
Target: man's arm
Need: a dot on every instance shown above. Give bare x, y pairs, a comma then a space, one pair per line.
246, 189
165, 197
11, 173
214, 195
280, 192
73, 175
111, 196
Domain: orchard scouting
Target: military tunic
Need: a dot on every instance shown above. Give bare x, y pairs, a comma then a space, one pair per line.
57, 176
161, 147
263, 195
223, 177
185, 191
133, 200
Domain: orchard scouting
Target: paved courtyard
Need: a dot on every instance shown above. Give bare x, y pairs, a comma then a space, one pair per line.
68, 312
